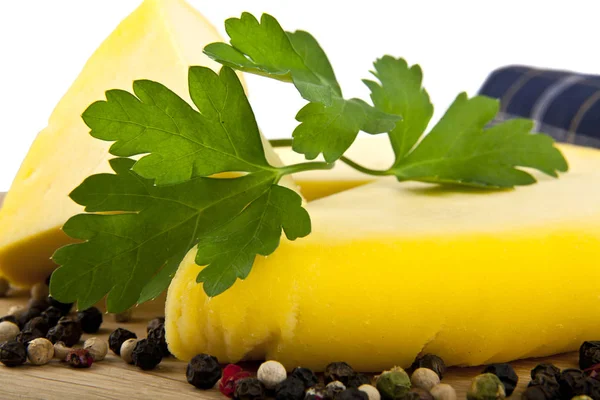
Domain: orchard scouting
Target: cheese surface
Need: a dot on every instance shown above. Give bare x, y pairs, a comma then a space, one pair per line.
158, 41
391, 270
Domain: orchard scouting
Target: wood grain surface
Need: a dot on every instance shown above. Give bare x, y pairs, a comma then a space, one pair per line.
113, 379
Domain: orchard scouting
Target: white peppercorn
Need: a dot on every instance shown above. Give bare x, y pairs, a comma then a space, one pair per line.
61, 351
443, 391
39, 291
332, 389
4, 287
8, 331
127, 350
424, 378
16, 310
271, 373
371, 391
40, 351
96, 347
124, 316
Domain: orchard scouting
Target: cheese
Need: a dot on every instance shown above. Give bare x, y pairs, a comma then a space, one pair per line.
391, 270
158, 41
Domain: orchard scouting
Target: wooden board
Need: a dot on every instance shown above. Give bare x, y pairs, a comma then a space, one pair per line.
113, 379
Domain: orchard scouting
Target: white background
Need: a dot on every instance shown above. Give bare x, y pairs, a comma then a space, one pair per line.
44, 44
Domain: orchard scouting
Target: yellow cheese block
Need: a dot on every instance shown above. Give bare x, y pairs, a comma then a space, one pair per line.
158, 41
393, 270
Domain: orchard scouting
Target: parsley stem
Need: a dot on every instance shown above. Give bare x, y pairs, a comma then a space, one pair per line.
307, 166
281, 142
363, 169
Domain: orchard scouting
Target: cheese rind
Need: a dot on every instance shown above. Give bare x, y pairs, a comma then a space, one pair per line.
391, 270
158, 41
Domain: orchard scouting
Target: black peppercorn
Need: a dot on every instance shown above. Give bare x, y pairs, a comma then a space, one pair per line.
592, 388
13, 353
203, 371
249, 389
589, 354
352, 394
506, 374
38, 323
155, 323
52, 315
158, 335
90, 320
64, 308
292, 388
27, 315
546, 369
27, 335
357, 380
338, 371
38, 304
67, 330
10, 318
572, 383
118, 337
430, 361
146, 354
305, 375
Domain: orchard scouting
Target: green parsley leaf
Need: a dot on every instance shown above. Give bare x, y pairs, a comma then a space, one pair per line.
459, 149
182, 142
234, 219
264, 48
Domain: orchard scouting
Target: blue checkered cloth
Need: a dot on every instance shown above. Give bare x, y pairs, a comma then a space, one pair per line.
564, 105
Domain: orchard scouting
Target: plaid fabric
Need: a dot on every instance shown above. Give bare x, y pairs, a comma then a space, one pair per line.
563, 104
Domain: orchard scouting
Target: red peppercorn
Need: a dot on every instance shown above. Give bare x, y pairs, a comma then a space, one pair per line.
231, 374
79, 358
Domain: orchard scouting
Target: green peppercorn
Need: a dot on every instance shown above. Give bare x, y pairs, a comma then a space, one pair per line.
486, 387
393, 384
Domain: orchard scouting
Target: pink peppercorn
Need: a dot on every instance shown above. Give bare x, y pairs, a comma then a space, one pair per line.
231, 374
79, 358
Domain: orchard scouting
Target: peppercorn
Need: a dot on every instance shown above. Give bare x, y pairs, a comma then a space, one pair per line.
124, 316
305, 375
203, 371
64, 308
97, 348
39, 291
352, 394
547, 384
79, 358
572, 382
506, 374
338, 371
146, 354
486, 387
592, 388
67, 330
8, 331
271, 373
127, 350
117, 337
424, 378
158, 335
371, 392
292, 388
393, 384
39, 323
52, 315
589, 354
357, 380
333, 389
12, 353
27, 335
443, 391
28, 314
155, 323
61, 351
9, 318
422, 393
431, 361
546, 369
90, 320
4, 287
40, 351
249, 389
38, 304
231, 374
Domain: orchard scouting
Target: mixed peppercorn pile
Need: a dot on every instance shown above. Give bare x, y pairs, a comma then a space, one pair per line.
47, 329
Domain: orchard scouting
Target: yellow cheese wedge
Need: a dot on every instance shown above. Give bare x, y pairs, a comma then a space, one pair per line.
158, 41
392, 270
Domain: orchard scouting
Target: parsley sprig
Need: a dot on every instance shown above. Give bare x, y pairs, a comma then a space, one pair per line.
142, 219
